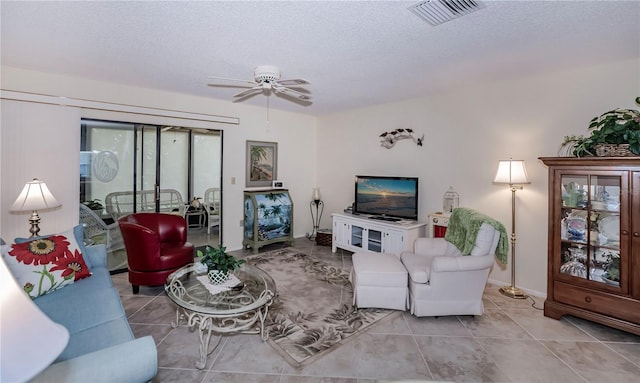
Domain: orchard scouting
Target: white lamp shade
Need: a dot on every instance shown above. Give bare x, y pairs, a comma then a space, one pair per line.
30, 340
316, 194
35, 196
512, 172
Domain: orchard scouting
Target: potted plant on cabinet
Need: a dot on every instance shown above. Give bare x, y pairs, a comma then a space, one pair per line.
615, 133
219, 263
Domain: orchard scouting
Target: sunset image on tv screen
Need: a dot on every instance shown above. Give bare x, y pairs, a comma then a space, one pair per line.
386, 196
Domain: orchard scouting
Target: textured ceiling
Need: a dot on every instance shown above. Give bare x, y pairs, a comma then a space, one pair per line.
354, 54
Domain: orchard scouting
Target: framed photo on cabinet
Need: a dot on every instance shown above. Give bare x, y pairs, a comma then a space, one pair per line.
262, 163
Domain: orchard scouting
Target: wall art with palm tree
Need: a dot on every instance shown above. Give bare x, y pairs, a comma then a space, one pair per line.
262, 163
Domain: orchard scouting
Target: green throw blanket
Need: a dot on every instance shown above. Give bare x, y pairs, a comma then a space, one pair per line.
463, 228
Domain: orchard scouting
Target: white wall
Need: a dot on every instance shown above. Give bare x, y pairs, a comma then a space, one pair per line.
31, 147
466, 132
56, 140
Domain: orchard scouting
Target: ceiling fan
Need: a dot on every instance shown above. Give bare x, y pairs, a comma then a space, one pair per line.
267, 80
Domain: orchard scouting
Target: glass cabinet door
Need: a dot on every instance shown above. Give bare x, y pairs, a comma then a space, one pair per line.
374, 240
357, 234
590, 227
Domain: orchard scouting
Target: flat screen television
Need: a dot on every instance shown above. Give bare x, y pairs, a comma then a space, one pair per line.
388, 198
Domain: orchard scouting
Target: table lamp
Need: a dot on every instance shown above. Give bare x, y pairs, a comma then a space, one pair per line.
35, 196
30, 340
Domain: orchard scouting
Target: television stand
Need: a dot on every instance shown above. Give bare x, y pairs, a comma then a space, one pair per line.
383, 218
361, 234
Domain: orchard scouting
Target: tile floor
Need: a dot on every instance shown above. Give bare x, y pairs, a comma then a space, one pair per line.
511, 342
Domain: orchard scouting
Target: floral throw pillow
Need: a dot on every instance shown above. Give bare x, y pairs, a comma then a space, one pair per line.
46, 264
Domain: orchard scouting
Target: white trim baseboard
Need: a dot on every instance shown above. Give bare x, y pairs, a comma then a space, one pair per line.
534, 293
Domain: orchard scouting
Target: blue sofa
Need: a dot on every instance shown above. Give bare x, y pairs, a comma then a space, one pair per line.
101, 347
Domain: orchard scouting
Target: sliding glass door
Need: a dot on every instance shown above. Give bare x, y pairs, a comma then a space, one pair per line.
130, 168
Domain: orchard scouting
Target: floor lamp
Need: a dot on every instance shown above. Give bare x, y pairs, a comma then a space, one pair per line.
513, 173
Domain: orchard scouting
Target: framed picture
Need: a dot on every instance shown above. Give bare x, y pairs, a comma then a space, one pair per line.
262, 163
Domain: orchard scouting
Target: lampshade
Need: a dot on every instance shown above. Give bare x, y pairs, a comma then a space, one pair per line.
511, 172
316, 194
35, 196
30, 340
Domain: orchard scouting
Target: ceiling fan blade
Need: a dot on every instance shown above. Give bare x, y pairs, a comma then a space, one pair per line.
290, 92
232, 86
294, 82
233, 80
248, 92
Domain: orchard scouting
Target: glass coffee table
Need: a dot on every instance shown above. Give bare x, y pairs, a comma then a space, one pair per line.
240, 310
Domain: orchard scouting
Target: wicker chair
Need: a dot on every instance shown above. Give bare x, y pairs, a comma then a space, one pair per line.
212, 207
119, 204
97, 231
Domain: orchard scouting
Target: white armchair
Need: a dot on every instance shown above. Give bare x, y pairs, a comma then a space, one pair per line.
443, 281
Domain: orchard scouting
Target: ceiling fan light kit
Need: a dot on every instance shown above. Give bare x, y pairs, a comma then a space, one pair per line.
266, 73
267, 80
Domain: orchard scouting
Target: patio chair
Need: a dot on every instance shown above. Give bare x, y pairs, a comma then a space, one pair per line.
97, 231
212, 207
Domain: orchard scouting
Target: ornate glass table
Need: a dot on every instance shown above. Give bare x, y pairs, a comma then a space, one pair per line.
240, 310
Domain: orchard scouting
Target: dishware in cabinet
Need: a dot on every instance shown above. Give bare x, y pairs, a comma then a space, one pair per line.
590, 226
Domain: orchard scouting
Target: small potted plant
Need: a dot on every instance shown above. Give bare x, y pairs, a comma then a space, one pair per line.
95, 205
577, 146
219, 263
615, 133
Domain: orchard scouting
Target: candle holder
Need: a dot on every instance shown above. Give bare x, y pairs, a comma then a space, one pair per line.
316, 207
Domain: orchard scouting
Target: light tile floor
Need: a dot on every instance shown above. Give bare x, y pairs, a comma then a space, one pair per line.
511, 342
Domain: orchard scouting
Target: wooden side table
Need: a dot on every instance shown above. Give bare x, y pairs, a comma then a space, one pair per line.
438, 223
195, 217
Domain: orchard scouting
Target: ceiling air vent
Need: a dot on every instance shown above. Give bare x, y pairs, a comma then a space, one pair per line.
436, 12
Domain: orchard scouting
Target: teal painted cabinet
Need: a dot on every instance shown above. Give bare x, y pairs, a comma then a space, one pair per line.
268, 218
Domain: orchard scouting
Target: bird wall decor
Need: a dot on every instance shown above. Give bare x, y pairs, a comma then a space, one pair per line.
389, 139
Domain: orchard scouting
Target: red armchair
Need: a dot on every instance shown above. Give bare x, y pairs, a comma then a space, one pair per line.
156, 246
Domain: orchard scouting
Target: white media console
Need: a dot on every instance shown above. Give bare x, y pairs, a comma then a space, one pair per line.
359, 233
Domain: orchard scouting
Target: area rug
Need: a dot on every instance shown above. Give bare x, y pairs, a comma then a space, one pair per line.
313, 313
